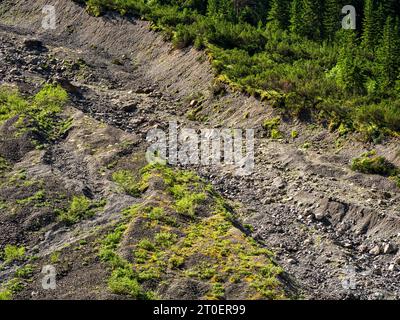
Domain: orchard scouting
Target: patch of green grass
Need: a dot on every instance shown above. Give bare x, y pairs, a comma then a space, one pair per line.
188, 202
3, 164
217, 291
128, 183
55, 257
146, 244
39, 114
165, 239
194, 115
19, 176
108, 249
80, 208
5, 294
271, 126
15, 285
11, 104
156, 214
123, 279
275, 134
13, 253
343, 129
38, 199
209, 248
25, 272
176, 261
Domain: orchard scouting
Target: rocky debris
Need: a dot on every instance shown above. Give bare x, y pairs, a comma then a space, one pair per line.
303, 205
376, 250
278, 183
129, 106
67, 85
389, 248
34, 45
330, 208
396, 260
146, 90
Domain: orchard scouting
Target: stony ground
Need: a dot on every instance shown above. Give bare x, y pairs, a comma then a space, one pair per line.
325, 223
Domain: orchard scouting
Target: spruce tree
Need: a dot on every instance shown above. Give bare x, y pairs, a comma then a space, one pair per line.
310, 22
391, 7
331, 18
278, 16
369, 26
295, 17
221, 9
388, 53
349, 75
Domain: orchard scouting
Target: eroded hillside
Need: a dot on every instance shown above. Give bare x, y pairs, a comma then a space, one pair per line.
76, 191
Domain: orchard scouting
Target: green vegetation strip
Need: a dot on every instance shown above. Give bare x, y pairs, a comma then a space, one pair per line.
186, 233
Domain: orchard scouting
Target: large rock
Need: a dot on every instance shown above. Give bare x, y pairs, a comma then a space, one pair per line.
331, 209
34, 45
389, 248
375, 250
67, 85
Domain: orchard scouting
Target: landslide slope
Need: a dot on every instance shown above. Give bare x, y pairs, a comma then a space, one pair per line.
326, 224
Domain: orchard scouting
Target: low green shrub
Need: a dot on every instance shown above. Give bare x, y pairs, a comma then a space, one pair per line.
25, 272
5, 295
271, 126
13, 253
128, 183
80, 208
371, 163
39, 114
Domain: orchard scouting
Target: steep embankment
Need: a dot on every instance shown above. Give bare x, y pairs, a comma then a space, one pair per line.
325, 223
76, 193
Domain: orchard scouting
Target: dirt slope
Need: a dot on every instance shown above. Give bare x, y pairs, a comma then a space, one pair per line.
320, 218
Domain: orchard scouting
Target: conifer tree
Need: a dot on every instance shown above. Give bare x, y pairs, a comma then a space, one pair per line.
278, 16
222, 9
349, 75
331, 18
295, 17
369, 25
388, 53
391, 7
306, 20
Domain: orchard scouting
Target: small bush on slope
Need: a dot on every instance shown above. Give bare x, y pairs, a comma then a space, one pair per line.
39, 115
371, 163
